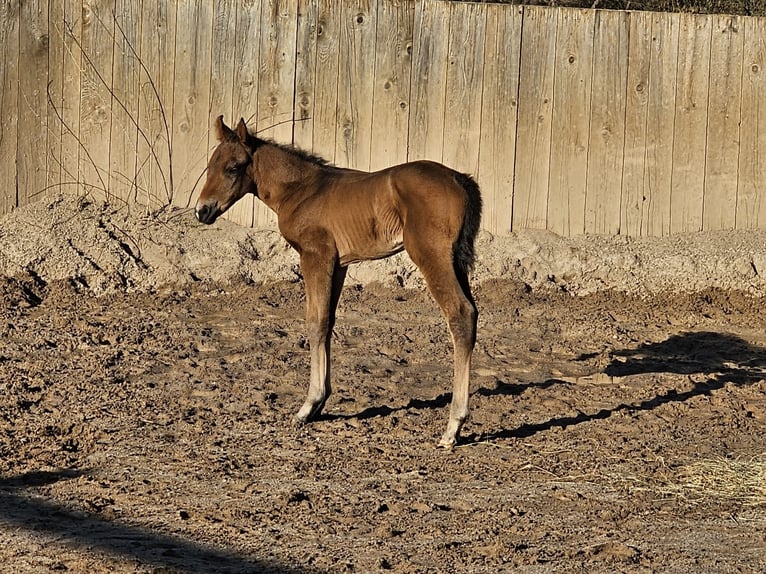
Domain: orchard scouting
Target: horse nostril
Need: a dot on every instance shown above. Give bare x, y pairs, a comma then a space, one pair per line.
207, 213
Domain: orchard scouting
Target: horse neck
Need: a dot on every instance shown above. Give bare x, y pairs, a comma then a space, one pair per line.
277, 171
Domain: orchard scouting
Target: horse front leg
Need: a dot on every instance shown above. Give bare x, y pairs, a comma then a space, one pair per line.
324, 282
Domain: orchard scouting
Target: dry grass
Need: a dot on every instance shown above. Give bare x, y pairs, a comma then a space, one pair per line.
741, 481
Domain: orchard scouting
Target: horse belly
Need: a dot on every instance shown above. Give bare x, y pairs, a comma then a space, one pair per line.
376, 236
371, 250
368, 225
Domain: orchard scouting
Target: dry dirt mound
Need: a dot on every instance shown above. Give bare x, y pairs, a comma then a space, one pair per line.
105, 247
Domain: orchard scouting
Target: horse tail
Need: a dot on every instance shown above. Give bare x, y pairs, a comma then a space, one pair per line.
463, 254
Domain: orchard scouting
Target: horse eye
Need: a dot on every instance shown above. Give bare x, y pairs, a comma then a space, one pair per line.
233, 170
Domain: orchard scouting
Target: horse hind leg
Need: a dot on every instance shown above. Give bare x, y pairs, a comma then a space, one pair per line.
449, 287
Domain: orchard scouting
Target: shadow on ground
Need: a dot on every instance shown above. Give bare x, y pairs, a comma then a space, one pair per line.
719, 357
21, 508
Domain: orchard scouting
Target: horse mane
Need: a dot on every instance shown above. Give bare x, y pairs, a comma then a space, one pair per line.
297, 152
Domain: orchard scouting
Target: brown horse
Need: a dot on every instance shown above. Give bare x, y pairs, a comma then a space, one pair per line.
334, 217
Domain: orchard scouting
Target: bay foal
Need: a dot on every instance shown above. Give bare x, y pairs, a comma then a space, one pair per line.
334, 217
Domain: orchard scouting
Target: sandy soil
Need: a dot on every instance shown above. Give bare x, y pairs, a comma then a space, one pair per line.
150, 369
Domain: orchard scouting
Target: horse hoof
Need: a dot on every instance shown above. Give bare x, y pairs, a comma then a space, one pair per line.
447, 443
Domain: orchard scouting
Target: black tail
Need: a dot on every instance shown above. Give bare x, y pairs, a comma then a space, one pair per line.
463, 250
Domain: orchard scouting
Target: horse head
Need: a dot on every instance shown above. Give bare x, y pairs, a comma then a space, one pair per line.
229, 171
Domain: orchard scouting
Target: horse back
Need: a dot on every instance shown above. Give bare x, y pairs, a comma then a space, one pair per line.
366, 215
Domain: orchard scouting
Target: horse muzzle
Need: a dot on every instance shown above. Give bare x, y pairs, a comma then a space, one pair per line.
207, 213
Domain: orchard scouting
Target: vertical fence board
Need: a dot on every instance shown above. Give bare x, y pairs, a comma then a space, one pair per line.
222, 62
632, 218
155, 158
124, 131
190, 93
356, 84
245, 87
465, 67
722, 161
690, 137
222, 73
533, 138
751, 197
33, 82
429, 75
571, 122
276, 80
96, 99
277, 69
70, 101
246, 62
324, 126
393, 66
497, 148
9, 86
606, 143
55, 98
305, 73
660, 123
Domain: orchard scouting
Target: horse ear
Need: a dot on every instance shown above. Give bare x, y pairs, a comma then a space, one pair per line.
242, 132
224, 132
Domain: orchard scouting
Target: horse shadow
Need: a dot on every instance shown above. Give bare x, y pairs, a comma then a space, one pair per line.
720, 358
22, 508
439, 402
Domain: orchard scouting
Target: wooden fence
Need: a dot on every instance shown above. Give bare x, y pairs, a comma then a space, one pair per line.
576, 121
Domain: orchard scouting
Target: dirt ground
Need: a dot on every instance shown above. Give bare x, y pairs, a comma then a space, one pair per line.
150, 369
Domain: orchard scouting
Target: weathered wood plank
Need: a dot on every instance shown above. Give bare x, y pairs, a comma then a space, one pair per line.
192, 116
533, 136
690, 137
324, 125
70, 103
305, 73
660, 123
222, 80
393, 67
571, 122
223, 63
154, 174
55, 97
633, 209
246, 57
429, 76
245, 97
276, 80
751, 198
124, 128
9, 101
465, 71
606, 143
96, 98
497, 149
722, 158
32, 101
277, 70
356, 84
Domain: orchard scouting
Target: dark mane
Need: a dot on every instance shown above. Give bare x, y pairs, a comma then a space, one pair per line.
298, 152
